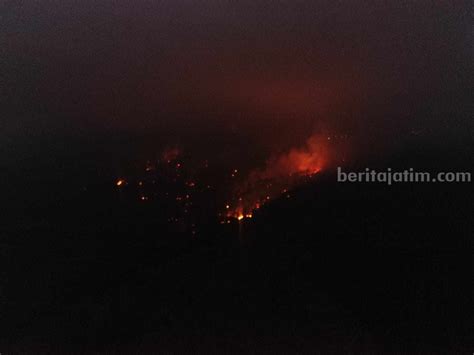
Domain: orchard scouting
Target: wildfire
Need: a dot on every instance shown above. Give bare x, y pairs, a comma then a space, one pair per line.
280, 174
173, 177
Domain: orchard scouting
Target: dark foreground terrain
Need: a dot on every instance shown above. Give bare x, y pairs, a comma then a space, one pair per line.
338, 268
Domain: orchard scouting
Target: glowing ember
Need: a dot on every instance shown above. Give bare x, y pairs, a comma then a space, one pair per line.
120, 182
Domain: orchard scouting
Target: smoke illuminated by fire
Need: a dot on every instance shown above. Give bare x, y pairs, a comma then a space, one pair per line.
307, 160
280, 174
170, 154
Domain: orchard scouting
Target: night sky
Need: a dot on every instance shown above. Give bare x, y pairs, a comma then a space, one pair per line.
270, 70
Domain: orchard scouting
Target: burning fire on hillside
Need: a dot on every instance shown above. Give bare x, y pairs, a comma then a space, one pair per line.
187, 189
280, 174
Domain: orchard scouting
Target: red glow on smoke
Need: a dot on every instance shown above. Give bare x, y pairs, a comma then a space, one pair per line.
170, 154
280, 173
